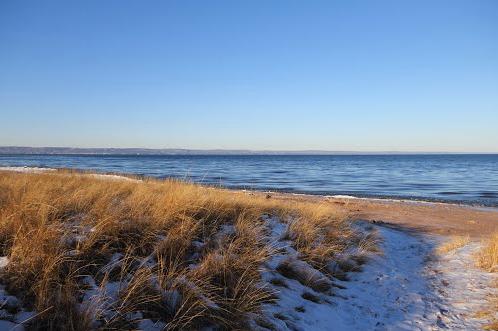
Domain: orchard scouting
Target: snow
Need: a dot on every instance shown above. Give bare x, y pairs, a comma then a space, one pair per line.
460, 283
12, 316
26, 169
4, 260
341, 196
284, 315
100, 299
148, 325
114, 177
405, 288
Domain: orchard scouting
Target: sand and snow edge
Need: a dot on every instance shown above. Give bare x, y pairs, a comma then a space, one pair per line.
405, 288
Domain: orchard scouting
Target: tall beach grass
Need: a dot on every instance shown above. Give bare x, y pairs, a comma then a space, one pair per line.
89, 253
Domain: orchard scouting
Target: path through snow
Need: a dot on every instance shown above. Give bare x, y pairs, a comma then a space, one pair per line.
406, 288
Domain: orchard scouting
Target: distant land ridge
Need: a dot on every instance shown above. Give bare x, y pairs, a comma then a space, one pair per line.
182, 151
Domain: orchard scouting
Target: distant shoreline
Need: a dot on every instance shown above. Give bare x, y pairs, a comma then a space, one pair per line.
21, 150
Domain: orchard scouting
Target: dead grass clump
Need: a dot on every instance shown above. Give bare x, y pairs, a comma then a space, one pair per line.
487, 258
280, 282
35, 255
310, 297
306, 275
319, 233
174, 253
179, 244
452, 244
233, 273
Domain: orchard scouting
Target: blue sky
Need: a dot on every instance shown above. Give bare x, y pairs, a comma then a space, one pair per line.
274, 75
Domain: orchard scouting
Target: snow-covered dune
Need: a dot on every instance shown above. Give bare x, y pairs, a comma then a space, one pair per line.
405, 288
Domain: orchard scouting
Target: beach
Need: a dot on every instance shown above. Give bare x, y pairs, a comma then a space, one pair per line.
400, 265
424, 216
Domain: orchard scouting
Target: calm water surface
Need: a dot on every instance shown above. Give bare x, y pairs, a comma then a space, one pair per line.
471, 179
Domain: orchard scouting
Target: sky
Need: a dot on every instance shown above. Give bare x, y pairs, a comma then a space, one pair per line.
259, 74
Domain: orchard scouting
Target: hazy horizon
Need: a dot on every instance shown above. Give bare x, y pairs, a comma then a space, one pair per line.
253, 151
261, 75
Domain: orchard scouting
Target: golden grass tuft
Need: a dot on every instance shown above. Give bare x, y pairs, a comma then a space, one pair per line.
183, 254
487, 258
452, 244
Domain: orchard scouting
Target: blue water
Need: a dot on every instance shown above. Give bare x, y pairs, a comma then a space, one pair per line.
469, 179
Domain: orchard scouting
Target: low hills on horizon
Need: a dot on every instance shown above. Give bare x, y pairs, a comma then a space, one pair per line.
182, 151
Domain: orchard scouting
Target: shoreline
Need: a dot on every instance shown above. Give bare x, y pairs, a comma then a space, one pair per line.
381, 198
414, 201
428, 217
441, 218
393, 271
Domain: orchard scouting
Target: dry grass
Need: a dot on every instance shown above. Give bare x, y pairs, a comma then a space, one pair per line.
88, 253
487, 259
452, 244
306, 276
490, 312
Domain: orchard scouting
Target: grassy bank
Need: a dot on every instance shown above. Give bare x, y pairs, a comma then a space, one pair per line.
87, 252
487, 259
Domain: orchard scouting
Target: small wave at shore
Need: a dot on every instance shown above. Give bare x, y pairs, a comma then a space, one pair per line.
457, 179
421, 202
26, 169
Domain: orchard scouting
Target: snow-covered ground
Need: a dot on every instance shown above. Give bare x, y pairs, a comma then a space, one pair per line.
11, 313
114, 177
462, 286
26, 169
405, 288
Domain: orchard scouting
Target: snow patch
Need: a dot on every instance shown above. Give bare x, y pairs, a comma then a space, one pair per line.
27, 169
148, 325
4, 260
402, 289
114, 177
341, 196
12, 315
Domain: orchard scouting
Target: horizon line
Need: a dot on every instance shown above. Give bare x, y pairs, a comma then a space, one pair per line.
221, 150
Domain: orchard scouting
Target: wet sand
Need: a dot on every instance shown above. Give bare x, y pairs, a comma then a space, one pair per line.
429, 217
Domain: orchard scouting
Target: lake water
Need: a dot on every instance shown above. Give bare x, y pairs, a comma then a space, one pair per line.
470, 179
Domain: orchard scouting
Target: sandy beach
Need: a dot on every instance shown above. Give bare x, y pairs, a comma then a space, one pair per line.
423, 216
